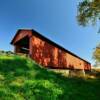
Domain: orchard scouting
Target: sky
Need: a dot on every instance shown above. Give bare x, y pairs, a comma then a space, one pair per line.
55, 19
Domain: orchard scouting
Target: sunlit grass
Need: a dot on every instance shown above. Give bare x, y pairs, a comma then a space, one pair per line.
23, 79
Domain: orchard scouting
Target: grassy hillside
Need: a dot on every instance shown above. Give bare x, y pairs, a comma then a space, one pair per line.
23, 79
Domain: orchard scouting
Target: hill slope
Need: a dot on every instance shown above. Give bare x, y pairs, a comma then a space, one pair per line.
23, 79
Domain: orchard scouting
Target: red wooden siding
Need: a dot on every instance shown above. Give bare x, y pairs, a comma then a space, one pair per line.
22, 35
43, 52
49, 55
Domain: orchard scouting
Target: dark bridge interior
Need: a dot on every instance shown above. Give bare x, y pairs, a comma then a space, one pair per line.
23, 45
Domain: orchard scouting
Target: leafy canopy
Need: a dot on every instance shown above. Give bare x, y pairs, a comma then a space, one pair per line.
88, 12
96, 55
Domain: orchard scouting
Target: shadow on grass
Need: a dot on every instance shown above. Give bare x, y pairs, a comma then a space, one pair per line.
22, 78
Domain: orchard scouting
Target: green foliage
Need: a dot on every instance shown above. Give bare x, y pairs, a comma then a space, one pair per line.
6, 52
88, 12
23, 79
96, 55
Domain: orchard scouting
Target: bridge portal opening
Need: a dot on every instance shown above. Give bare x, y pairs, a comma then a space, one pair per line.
22, 46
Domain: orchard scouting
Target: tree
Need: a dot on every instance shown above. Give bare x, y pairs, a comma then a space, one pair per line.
96, 55
88, 12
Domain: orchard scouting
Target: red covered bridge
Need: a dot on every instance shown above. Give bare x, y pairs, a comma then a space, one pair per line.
45, 52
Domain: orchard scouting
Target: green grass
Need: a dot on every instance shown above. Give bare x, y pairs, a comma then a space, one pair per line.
23, 79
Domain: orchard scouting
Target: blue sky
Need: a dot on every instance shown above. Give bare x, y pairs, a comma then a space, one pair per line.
55, 19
